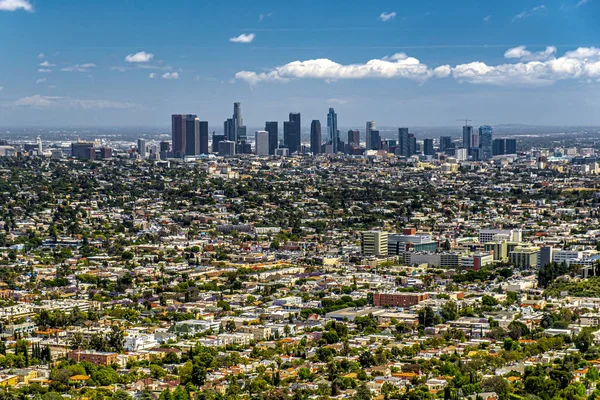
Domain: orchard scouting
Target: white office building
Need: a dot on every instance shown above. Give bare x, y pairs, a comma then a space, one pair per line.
261, 143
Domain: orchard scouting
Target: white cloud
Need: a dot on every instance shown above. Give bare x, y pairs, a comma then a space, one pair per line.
531, 68
14, 5
529, 13
262, 17
44, 70
41, 56
386, 16
337, 101
152, 75
170, 75
582, 3
140, 57
523, 54
583, 63
46, 64
243, 38
487, 18
396, 66
41, 80
39, 101
79, 68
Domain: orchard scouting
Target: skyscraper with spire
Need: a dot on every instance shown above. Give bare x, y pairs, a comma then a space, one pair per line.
333, 136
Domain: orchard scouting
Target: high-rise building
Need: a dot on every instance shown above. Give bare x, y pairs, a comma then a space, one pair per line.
370, 127
292, 131
354, 137
165, 149
141, 146
242, 135
511, 146
83, 150
216, 139
428, 147
332, 130
178, 135
192, 135
226, 148
403, 142
273, 130
486, 133
375, 140
498, 147
315, 136
229, 130
467, 136
412, 144
238, 121
203, 137
374, 243
106, 152
445, 143
261, 143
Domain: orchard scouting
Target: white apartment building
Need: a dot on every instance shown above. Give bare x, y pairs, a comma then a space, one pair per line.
490, 235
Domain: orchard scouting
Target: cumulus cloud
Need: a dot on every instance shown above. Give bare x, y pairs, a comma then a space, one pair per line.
529, 13
15, 5
39, 101
44, 70
79, 68
151, 75
46, 64
41, 56
243, 38
523, 54
170, 75
396, 66
140, 57
530, 68
583, 63
41, 80
386, 16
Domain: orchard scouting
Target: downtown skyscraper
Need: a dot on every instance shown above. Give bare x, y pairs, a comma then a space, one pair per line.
404, 142
234, 128
203, 137
371, 126
292, 130
273, 129
185, 135
315, 136
333, 136
486, 134
467, 141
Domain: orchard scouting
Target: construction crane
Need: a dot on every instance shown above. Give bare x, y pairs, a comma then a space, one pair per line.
466, 121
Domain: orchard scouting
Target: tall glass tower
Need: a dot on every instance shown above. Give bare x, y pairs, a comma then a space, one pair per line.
332, 131
486, 134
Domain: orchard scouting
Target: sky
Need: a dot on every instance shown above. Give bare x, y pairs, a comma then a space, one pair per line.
398, 62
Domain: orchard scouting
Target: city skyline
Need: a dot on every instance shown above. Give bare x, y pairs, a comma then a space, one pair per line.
414, 67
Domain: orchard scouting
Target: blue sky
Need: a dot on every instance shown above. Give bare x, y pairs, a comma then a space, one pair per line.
413, 63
